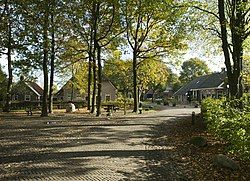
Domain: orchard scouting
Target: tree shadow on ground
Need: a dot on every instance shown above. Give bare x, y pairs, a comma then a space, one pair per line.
30, 149
177, 159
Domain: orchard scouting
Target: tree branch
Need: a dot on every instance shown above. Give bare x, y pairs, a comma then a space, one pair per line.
110, 25
5, 8
206, 11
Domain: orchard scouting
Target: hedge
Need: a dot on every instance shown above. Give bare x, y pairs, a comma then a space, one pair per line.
226, 120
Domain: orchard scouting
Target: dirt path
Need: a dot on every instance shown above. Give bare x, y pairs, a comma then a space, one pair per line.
71, 147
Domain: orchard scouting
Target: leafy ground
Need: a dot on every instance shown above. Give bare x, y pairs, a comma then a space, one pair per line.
181, 160
169, 155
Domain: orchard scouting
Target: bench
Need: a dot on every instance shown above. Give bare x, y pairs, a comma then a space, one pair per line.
116, 109
108, 109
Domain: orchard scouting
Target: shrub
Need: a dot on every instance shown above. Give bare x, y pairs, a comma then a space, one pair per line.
227, 121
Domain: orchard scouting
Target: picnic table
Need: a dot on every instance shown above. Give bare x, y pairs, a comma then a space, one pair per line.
109, 107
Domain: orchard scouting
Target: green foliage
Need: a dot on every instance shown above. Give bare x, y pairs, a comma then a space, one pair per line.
193, 68
174, 81
152, 74
226, 120
119, 72
246, 72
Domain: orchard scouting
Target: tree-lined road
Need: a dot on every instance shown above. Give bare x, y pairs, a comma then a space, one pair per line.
74, 148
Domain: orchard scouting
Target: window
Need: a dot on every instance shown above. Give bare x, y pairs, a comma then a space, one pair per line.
15, 97
27, 98
69, 97
108, 97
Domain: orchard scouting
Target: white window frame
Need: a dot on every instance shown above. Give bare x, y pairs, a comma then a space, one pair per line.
107, 95
27, 98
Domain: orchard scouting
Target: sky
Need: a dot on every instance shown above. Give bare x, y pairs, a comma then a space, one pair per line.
215, 63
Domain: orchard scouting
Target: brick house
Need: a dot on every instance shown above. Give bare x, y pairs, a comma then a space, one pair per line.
71, 92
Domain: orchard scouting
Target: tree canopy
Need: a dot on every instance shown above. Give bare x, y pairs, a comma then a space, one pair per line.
58, 35
226, 23
193, 68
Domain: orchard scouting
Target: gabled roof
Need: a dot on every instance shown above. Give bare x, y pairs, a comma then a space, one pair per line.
72, 79
104, 78
211, 81
34, 87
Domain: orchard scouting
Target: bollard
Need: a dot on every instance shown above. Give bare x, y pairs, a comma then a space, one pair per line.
193, 118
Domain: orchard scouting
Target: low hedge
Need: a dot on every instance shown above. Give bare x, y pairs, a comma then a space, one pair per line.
226, 120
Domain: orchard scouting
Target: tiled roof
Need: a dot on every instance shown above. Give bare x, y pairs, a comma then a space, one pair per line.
204, 82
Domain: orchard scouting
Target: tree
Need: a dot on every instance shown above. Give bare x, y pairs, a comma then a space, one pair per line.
193, 68
119, 72
7, 44
96, 25
12, 38
3, 85
174, 81
81, 41
45, 25
153, 30
52, 56
246, 73
234, 17
229, 21
152, 74
39, 24
106, 30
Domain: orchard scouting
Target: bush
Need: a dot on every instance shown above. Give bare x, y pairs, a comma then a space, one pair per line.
227, 121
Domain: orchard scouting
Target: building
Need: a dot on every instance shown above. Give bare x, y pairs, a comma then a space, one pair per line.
27, 91
71, 93
212, 85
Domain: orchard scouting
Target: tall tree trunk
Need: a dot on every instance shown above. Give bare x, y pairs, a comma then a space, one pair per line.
225, 46
95, 19
45, 59
10, 78
89, 81
91, 57
99, 94
237, 31
125, 103
135, 82
52, 63
234, 70
94, 87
